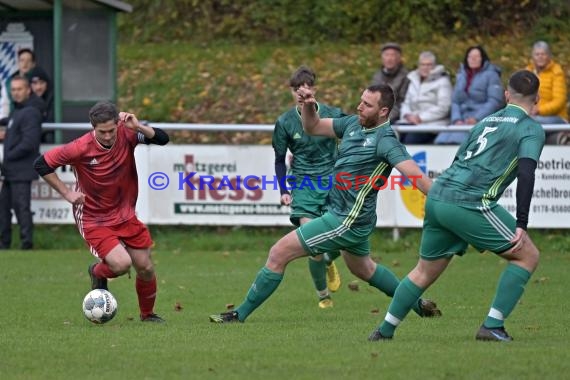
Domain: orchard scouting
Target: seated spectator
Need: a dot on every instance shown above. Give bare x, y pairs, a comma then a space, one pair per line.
551, 107
478, 92
428, 99
393, 73
42, 86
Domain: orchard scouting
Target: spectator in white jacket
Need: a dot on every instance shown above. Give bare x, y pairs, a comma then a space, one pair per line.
428, 99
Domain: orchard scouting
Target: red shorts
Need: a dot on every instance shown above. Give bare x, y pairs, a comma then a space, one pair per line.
132, 233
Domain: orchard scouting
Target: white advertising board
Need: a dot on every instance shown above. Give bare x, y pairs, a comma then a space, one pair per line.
550, 206
214, 185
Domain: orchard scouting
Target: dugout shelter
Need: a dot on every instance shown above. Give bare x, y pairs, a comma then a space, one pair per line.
74, 41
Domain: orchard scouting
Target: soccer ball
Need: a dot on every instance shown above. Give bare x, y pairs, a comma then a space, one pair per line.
99, 306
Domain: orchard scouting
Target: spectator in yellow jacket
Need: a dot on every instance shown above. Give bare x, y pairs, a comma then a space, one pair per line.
552, 104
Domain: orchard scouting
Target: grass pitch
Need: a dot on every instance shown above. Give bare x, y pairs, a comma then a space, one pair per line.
44, 335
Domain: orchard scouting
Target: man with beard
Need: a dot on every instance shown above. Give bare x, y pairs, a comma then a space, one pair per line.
368, 151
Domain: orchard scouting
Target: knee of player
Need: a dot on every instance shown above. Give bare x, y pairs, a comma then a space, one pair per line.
122, 266
361, 272
277, 258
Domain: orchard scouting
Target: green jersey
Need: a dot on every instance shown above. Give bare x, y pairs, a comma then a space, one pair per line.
365, 160
313, 156
486, 163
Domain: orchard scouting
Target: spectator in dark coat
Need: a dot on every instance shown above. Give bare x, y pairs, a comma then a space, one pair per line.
21, 148
42, 87
394, 74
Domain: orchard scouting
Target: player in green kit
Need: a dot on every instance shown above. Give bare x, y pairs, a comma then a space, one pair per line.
461, 209
368, 151
314, 158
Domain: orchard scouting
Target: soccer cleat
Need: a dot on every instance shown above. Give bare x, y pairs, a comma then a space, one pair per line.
498, 334
333, 277
96, 282
377, 335
429, 309
152, 318
227, 317
326, 303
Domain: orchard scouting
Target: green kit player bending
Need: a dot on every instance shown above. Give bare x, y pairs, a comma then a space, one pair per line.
369, 149
309, 177
461, 209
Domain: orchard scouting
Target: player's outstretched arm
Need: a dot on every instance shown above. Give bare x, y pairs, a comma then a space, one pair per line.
419, 180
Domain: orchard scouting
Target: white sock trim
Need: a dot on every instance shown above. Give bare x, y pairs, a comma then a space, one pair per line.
392, 320
494, 313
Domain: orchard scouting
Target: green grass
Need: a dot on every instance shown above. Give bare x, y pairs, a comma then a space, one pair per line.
44, 335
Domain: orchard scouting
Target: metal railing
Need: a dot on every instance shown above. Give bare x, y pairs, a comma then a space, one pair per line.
270, 127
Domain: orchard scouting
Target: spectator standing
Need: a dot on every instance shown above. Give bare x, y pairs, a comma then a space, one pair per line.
26, 62
42, 86
21, 148
478, 92
393, 73
428, 99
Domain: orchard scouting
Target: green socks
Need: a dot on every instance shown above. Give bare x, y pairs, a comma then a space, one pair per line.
264, 285
384, 280
405, 298
318, 274
509, 291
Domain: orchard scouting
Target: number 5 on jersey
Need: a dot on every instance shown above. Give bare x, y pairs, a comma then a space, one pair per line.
482, 141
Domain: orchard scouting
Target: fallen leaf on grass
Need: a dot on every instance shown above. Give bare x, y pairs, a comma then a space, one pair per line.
353, 285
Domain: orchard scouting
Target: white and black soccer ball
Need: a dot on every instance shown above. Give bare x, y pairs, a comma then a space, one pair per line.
99, 306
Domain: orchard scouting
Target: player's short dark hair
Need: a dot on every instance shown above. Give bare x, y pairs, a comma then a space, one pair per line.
303, 75
103, 112
387, 96
524, 83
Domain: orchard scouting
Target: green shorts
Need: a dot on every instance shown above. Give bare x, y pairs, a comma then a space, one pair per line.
449, 228
308, 202
328, 234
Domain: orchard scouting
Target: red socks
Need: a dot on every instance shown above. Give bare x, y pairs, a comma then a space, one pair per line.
146, 291
102, 270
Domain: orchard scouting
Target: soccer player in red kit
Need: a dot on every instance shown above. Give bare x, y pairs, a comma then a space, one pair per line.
105, 196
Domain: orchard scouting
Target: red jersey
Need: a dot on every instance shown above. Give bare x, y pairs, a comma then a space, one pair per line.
107, 177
